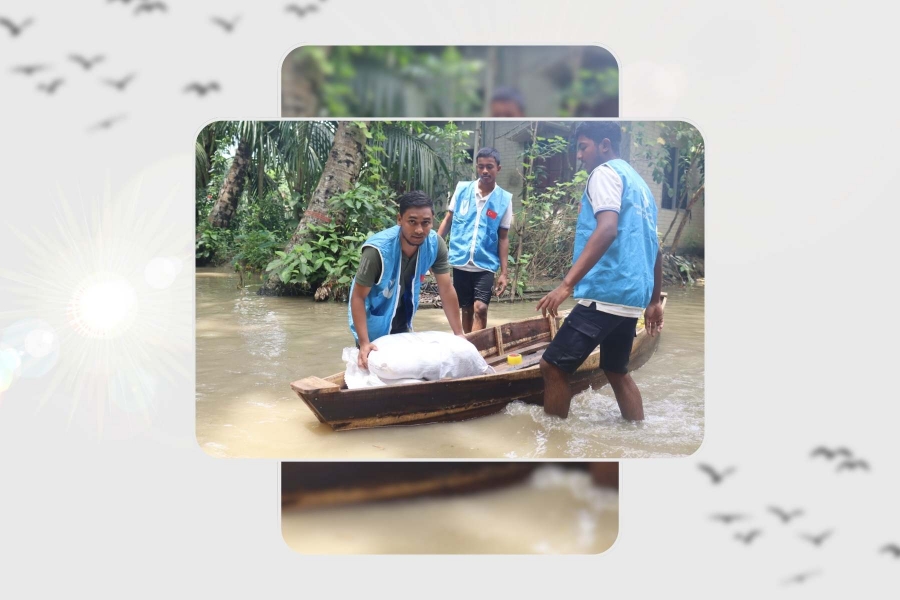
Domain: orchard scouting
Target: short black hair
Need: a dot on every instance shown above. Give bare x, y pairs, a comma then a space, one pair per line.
415, 199
600, 130
487, 152
509, 94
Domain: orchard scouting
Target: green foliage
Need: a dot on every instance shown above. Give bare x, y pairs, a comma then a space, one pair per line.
550, 229
689, 156
256, 248
393, 80
331, 254
542, 217
401, 154
435, 81
213, 246
588, 88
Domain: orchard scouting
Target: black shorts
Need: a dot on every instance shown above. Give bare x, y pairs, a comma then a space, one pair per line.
473, 285
583, 330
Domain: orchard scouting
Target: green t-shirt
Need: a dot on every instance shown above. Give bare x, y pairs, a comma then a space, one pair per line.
370, 270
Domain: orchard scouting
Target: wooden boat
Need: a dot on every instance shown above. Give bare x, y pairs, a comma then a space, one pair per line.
309, 485
468, 397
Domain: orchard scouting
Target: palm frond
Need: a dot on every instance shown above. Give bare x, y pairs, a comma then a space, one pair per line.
411, 163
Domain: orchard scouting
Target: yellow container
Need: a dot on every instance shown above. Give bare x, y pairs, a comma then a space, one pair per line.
514, 359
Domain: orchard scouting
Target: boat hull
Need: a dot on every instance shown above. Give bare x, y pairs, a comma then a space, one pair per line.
453, 400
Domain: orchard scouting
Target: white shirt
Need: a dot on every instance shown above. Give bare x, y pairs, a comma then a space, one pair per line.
604, 189
505, 222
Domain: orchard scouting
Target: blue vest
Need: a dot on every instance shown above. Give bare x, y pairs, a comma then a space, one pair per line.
487, 245
384, 297
624, 274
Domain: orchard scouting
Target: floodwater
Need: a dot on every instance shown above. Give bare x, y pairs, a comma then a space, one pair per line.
250, 348
555, 511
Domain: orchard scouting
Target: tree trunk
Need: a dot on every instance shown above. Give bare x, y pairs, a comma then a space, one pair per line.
520, 227
260, 175
684, 218
300, 78
338, 175
225, 207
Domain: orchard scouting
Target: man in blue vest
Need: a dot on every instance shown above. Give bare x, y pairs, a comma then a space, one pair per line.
478, 218
384, 295
616, 273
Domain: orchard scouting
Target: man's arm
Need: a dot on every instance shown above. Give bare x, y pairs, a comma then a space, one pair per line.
449, 301
653, 315
597, 244
445, 224
358, 312
503, 239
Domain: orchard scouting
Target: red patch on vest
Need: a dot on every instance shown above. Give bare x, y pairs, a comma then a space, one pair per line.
491, 214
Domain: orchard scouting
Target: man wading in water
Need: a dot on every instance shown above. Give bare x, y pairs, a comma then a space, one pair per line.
384, 295
616, 273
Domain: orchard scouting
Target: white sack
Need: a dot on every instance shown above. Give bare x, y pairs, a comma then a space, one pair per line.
419, 356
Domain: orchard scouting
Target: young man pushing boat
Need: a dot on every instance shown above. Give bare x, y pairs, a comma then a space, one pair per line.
478, 218
384, 295
616, 273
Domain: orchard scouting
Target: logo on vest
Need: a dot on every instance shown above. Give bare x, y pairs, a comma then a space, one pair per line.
491, 214
463, 205
389, 290
645, 209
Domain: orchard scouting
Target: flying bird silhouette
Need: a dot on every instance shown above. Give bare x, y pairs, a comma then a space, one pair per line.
202, 90
15, 29
749, 536
716, 476
120, 84
151, 7
301, 11
106, 123
727, 518
852, 465
800, 577
893, 549
226, 25
830, 453
817, 540
51, 86
29, 69
86, 63
784, 515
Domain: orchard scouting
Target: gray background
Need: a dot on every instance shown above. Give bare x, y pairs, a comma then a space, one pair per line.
106, 492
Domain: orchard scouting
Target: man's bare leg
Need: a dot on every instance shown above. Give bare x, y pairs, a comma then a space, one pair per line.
479, 321
631, 405
557, 394
467, 318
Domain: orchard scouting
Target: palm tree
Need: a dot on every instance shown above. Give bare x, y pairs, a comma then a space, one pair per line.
339, 173
406, 160
295, 149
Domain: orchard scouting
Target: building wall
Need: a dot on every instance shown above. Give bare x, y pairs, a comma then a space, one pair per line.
692, 238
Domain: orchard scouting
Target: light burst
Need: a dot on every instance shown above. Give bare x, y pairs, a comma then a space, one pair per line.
103, 309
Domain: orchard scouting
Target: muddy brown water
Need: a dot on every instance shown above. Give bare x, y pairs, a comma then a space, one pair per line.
249, 349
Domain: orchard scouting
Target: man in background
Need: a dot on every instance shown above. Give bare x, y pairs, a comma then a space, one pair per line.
507, 102
478, 219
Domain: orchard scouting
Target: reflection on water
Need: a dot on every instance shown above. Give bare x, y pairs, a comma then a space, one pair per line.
556, 511
249, 349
